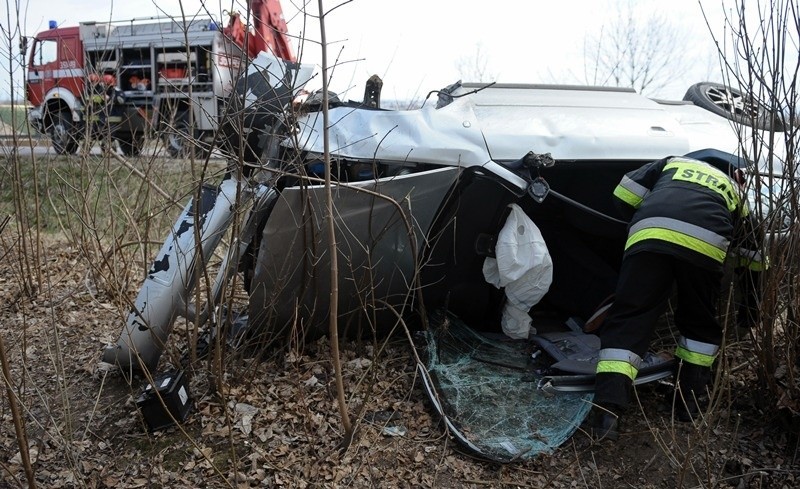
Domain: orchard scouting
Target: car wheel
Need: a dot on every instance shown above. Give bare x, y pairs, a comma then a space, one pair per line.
131, 144
62, 133
732, 104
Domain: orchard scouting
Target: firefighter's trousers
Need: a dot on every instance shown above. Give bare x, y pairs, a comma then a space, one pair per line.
645, 285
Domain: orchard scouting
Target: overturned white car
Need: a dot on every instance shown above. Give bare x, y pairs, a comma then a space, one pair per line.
488, 210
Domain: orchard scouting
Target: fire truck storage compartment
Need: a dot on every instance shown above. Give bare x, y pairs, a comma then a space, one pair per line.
175, 65
102, 61
176, 68
136, 68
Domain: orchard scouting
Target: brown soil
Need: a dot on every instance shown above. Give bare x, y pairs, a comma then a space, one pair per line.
276, 422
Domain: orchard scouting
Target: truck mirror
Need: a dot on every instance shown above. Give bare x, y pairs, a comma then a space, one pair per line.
23, 45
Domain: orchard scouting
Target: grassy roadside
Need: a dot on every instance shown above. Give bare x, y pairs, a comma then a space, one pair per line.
14, 116
99, 195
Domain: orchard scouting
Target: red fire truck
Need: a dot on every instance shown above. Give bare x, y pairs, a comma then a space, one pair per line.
173, 76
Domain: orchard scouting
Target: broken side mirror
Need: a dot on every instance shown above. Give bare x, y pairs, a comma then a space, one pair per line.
536, 160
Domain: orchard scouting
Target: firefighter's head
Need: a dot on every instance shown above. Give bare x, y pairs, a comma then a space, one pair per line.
94, 78
109, 79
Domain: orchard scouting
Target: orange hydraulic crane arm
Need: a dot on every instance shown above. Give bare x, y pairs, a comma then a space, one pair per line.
270, 31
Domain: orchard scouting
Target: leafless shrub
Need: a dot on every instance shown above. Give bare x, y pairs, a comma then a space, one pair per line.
636, 50
759, 57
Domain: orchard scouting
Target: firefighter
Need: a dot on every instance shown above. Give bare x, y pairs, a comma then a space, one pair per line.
103, 102
102, 93
684, 214
96, 90
97, 104
113, 95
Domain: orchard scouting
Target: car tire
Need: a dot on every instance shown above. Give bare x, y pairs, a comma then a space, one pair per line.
734, 105
62, 133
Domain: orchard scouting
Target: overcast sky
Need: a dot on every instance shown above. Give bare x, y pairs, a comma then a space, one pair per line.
416, 45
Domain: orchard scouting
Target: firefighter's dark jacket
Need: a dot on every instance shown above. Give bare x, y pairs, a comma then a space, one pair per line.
689, 209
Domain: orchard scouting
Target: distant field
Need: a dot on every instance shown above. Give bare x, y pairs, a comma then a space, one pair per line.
16, 114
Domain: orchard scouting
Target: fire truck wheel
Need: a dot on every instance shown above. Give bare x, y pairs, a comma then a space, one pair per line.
62, 134
131, 145
178, 138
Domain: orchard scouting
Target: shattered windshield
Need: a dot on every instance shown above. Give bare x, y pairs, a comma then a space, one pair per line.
486, 387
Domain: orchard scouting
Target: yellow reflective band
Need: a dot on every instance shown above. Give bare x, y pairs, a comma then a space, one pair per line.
706, 176
627, 196
750, 264
752, 260
677, 238
693, 357
698, 346
617, 367
703, 234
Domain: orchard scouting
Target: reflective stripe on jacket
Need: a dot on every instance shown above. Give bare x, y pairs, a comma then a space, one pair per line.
684, 207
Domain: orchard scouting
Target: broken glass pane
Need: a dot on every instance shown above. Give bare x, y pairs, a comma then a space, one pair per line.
486, 388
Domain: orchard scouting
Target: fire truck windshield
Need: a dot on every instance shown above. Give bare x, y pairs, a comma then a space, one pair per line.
44, 51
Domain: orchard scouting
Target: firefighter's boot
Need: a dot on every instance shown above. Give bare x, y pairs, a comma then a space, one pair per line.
692, 389
611, 398
602, 423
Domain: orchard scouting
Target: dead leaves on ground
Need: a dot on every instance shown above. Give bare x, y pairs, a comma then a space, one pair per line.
276, 423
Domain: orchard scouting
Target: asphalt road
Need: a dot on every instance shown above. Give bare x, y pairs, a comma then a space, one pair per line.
41, 147
28, 147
